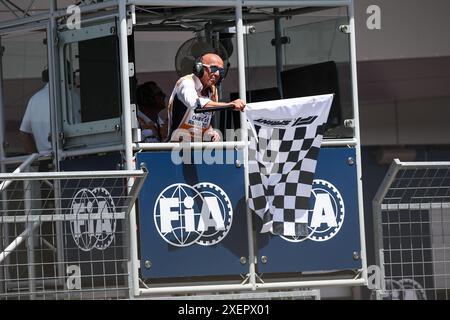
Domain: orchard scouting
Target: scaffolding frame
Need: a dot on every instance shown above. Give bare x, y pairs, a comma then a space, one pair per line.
124, 13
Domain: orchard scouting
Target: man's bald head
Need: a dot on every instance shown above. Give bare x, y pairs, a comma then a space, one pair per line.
212, 59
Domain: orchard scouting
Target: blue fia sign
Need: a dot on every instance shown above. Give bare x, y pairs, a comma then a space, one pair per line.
192, 217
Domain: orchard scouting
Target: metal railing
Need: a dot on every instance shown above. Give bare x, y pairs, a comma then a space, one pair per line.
412, 231
65, 235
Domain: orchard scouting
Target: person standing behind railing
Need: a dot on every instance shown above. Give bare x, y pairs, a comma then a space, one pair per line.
35, 126
193, 91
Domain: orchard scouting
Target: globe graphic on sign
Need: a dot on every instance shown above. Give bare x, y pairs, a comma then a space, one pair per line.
323, 230
105, 228
84, 202
185, 213
93, 233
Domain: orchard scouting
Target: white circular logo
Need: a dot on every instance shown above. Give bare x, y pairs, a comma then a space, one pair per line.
404, 289
92, 233
326, 213
185, 215
219, 203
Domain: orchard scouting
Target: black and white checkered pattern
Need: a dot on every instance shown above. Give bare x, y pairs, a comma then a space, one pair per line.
282, 162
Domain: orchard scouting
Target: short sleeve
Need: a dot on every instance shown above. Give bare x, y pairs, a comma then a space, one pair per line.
25, 126
203, 101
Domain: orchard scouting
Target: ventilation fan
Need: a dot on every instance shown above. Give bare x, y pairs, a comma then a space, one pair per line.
194, 48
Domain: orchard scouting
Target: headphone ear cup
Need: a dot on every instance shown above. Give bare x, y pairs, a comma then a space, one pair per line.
199, 69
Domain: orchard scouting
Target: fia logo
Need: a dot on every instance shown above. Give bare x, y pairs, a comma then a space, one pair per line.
326, 213
91, 233
185, 215
404, 289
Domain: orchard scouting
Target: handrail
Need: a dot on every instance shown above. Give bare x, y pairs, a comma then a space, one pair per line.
72, 174
159, 146
211, 109
182, 145
33, 221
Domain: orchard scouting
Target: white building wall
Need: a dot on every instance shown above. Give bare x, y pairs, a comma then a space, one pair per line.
404, 72
392, 104
409, 29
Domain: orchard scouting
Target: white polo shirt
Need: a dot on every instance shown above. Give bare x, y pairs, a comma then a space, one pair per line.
185, 98
37, 119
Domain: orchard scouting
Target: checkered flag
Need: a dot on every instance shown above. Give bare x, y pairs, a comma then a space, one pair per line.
284, 146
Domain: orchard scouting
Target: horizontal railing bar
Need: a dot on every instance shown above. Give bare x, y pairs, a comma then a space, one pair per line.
114, 197
82, 152
417, 188
244, 287
423, 165
62, 217
188, 145
402, 206
416, 249
246, 295
338, 142
224, 144
412, 223
72, 175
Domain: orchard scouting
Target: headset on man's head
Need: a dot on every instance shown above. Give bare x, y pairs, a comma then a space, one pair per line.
199, 69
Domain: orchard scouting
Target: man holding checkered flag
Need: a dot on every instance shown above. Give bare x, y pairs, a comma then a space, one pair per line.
284, 146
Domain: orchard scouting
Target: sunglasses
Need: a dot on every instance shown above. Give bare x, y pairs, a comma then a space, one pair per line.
214, 69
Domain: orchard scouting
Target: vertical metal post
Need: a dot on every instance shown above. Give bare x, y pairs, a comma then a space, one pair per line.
242, 94
53, 71
357, 137
376, 210
126, 114
27, 198
4, 227
3, 242
2, 114
278, 50
377, 227
383, 274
